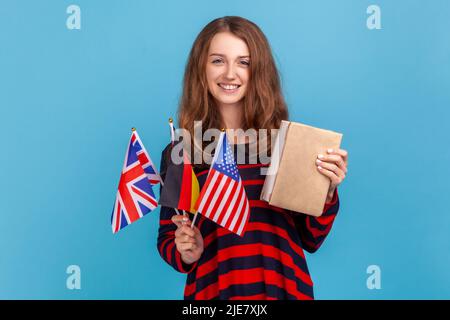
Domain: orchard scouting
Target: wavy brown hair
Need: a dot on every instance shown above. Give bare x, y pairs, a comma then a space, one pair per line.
264, 105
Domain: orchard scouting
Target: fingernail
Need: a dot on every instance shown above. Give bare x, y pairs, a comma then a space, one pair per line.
185, 219
320, 156
318, 161
330, 150
320, 168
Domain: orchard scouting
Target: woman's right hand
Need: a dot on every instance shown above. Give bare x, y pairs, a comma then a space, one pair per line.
189, 241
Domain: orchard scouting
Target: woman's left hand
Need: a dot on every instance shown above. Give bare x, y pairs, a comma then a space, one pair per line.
334, 166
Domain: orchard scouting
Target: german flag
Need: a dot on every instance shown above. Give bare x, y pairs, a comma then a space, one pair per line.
181, 188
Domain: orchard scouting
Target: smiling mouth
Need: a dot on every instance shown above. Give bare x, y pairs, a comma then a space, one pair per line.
229, 87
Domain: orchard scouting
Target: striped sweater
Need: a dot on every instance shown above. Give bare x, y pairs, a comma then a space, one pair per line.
267, 263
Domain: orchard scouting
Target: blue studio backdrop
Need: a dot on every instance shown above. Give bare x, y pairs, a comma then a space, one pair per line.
75, 76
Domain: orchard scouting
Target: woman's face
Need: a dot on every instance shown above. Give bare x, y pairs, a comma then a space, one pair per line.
227, 68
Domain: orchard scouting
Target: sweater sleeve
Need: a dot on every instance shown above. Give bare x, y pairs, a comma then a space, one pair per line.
166, 233
314, 230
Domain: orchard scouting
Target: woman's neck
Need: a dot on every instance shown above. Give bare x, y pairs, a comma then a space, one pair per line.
232, 115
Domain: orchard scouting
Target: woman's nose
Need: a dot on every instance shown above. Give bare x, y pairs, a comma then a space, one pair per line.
230, 72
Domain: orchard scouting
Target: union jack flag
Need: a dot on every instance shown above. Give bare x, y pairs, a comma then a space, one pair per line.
135, 197
223, 198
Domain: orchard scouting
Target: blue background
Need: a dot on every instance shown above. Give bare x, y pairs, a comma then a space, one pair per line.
68, 99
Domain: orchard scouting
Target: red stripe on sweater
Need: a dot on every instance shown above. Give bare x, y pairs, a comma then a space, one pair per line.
252, 182
333, 201
208, 293
252, 165
266, 251
239, 251
252, 226
209, 238
310, 244
178, 260
317, 232
262, 226
170, 235
265, 205
169, 251
212, 264
207, 267
324, 220
261, 296
165, 222
190, 289
249, 276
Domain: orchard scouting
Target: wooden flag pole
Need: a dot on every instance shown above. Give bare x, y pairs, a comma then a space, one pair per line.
185, 215
193, 220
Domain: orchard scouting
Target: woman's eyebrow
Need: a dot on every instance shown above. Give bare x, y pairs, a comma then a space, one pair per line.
222, 55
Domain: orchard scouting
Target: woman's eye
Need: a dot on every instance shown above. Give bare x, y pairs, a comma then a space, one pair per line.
245, 62
217, 61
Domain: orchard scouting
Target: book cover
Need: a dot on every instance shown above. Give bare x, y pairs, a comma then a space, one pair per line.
293, 181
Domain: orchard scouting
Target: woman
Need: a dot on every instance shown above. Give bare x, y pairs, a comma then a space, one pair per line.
231, 82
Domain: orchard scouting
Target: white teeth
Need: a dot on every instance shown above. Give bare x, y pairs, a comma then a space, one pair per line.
228, 86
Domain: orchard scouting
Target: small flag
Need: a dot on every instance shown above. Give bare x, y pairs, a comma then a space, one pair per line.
223, 198
135, 197
181, 188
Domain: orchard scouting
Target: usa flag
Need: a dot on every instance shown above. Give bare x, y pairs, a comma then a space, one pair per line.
223, 198
135, 197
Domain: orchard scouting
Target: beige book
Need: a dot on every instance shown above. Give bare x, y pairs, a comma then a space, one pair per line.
293, 181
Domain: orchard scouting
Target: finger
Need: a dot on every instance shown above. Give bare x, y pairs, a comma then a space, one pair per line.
186, 246
196, 230
185, 218
183, 238
187, 239
337, 159
332, 167
180, 242
331, 175
178, 233
343, 153
179, 220
186, 230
